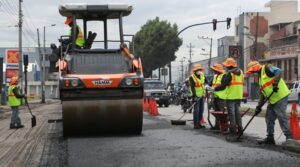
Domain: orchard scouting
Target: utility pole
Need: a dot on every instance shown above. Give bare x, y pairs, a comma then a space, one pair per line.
43, 67
40, 55
190, 53
255, 41
181, 61
20, 43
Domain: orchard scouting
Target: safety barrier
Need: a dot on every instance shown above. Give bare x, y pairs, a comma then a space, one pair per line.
294, 122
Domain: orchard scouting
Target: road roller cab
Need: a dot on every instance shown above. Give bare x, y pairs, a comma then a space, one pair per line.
101, 87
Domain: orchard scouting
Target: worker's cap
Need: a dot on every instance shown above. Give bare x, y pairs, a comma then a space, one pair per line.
68, 20
218, 67
198, 67
253, 66
14, 80
230, 62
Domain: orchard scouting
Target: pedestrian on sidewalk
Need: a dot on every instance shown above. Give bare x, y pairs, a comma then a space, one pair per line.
233, 82
197, 81
14, 101
219, 99
270, 81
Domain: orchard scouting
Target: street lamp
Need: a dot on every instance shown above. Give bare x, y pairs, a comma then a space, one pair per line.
43, 64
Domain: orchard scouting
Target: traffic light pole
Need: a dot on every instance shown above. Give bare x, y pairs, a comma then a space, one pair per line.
214, 22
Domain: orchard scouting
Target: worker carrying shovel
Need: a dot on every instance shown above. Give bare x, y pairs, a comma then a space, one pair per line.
14, 101
270, 81
219, 99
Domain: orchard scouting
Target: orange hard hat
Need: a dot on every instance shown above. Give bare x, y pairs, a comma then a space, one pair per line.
218, 67
253, 66
197, 67
230, 62
14, 80
68, 20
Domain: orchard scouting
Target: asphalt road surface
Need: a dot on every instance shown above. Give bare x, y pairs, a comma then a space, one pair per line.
160, 145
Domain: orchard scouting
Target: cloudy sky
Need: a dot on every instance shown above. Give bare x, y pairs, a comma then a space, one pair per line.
39, 13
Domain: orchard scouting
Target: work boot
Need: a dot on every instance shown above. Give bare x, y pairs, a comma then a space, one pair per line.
268, 140
13, 126
20, 126
240, 131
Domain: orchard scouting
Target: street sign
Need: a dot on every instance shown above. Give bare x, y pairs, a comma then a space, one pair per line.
12, 63
164, 71
235, 51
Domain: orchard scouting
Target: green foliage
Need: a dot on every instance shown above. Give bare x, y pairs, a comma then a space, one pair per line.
156, 44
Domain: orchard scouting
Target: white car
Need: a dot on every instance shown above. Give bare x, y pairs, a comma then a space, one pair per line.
295, 92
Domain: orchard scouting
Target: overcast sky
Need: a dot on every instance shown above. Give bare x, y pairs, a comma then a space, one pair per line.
39, 13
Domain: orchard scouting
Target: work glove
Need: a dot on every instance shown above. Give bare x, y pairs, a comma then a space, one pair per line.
257, 110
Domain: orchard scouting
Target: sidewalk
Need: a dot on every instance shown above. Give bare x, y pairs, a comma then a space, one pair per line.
256, 129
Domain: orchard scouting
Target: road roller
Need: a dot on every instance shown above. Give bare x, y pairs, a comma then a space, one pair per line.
101, 82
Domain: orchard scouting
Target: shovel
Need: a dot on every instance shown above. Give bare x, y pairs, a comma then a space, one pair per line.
33, 119
240, 135
182, 122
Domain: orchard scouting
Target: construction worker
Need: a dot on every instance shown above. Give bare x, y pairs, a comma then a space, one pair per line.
233, 82
271, 84
79, 35
197, 81
14, 101
219, 101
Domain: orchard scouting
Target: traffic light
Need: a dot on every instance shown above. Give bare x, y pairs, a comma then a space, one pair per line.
25, 60
228, 20
214, 24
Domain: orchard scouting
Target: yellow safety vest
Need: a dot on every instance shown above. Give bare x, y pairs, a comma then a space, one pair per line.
235, 88
199, 85
12, 99
217, 82
266, 87
80, 39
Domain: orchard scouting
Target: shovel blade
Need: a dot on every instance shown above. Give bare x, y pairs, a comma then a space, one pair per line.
33, 121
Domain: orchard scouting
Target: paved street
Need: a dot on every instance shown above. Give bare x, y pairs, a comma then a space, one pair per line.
160, 144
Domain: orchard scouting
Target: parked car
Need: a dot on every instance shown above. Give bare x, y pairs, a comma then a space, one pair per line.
156, 89
295, 92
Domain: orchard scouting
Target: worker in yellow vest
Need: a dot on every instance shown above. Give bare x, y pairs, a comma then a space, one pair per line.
270, 81
197, 81
233, 82
14, 101
219, 100
79, 35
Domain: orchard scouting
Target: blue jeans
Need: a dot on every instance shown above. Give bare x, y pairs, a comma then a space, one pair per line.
15, 119
233, 107
198, 111
278, 110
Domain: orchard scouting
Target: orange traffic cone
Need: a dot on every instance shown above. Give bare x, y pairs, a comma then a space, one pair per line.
154, 108
294, 122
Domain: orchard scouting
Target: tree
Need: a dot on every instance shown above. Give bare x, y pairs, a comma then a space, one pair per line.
156, 44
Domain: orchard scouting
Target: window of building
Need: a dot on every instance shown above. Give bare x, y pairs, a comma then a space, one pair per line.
279, 64
237, 30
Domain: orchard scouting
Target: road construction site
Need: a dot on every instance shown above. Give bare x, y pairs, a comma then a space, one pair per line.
160, 143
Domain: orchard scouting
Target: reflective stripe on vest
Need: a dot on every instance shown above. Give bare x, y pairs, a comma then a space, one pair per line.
217, 82
199, 85
80, 39
235, 88
12, 99
266, 87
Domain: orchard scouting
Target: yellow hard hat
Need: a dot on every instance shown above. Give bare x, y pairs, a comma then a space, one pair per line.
218, 67
197, 67
230, 62
253, 66
14, 80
